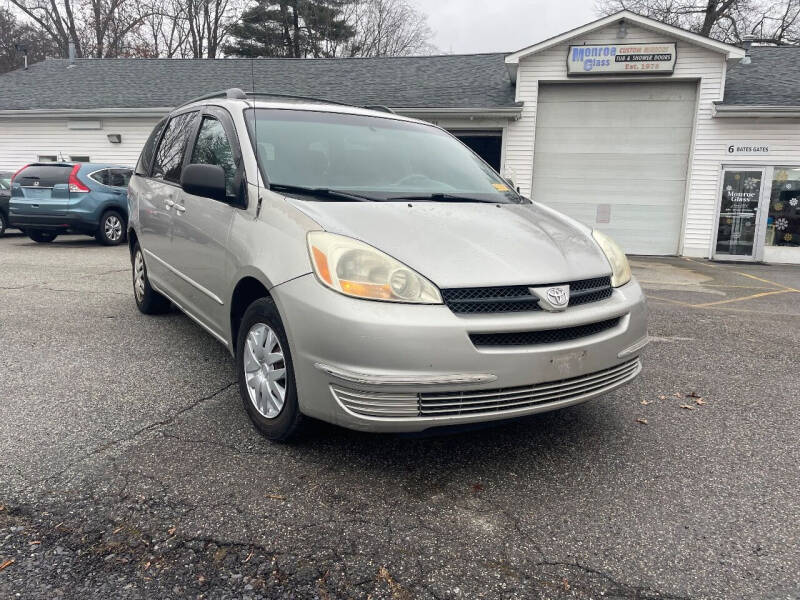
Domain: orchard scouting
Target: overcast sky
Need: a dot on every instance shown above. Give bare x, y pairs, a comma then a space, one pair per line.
466, 26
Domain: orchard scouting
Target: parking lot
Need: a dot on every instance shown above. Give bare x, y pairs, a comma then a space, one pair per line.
129, 468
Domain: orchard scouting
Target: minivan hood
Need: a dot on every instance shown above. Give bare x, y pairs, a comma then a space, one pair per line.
469, 245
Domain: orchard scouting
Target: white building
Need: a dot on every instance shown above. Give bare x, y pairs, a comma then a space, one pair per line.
671, 142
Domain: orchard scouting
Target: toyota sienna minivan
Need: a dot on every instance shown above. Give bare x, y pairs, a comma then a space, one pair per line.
370, 270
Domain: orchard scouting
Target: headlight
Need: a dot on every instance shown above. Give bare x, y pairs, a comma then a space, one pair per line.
357, 269
620, 269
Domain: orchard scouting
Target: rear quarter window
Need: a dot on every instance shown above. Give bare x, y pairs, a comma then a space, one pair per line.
146, 157
43, 175
112, 177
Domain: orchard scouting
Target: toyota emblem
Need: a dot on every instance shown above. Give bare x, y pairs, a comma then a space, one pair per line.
554, 298
558, 296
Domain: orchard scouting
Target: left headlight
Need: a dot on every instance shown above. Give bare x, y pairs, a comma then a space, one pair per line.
620, 268
357, 269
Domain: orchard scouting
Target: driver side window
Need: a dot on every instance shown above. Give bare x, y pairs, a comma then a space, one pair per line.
213, 148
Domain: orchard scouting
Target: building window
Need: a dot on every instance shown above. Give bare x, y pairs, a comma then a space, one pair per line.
783, 218
48, 158
79, 158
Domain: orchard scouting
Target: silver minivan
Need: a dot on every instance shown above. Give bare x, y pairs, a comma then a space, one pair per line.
370, 270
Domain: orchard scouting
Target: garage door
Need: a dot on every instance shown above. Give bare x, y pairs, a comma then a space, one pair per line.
615, 157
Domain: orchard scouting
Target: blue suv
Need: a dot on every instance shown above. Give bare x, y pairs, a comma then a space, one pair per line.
48, 199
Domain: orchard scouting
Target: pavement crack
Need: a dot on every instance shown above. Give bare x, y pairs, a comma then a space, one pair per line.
142, 430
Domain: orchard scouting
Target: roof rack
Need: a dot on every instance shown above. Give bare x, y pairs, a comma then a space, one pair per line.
239, 94
379, 107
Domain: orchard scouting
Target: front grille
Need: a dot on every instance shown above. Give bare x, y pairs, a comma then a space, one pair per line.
449, 404
518, 298
542, 336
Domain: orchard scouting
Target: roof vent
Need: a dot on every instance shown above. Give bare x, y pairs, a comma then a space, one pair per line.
747, 42
71, 55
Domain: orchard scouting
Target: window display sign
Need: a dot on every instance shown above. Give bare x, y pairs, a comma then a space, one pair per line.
741, 192
621, 59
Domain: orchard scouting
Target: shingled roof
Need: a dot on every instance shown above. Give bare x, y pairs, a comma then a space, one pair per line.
771, 79
449, 81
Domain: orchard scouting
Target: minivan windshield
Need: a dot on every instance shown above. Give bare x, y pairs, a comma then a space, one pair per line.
373, 157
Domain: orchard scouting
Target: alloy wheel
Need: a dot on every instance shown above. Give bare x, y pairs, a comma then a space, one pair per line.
112, 227
265, 370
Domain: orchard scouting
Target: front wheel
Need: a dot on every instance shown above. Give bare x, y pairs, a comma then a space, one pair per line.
111, 231
41, 237
266, 375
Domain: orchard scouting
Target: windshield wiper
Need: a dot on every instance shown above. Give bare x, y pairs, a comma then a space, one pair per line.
321, 192
440, 197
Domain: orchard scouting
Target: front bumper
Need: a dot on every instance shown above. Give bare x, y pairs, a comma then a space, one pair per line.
403, 356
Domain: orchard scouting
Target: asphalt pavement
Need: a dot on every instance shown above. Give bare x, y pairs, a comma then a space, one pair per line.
128, 468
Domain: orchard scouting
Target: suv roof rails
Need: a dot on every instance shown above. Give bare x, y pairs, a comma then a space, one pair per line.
239, 94
379, 107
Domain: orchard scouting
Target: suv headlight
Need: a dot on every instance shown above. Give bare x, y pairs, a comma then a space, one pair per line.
620, 268
357, 269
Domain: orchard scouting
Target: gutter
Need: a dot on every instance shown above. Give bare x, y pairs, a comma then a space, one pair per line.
59, 113
511, 112
756, 111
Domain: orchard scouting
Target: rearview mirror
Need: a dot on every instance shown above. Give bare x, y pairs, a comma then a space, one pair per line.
204, 180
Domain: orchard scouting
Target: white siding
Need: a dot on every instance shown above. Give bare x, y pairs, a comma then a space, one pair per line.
694, 63
23, 140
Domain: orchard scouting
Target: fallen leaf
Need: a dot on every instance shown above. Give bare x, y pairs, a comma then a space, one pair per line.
200, 579
34, 542
249, 556
565, 583
700, 402
677, 395
275, 497
146, 565
662, 397
687, 406
642, 421
117, 530
476, 487
646, 402
6, 563
2, 508
693, 395
172, 530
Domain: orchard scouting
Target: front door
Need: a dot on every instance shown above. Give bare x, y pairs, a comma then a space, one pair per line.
201, 225
739, 227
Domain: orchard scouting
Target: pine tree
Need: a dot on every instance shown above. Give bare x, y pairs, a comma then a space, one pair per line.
290, 28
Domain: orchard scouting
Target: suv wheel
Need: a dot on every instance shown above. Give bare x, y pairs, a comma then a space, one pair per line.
148, 301
41, 237
3, 224
111, 231
266, 376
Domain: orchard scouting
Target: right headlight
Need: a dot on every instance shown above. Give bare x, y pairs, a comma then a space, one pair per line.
620, 268
354, 268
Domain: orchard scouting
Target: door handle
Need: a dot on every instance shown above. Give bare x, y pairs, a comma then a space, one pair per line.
180, 208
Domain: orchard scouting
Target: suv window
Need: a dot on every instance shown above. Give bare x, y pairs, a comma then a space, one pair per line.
112, 177
43, 175
213, 148
146, 157
169, 156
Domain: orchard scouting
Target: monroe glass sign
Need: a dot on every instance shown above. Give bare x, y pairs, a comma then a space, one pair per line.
621, 59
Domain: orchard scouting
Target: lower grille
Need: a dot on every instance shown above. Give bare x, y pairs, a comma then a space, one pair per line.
448, 404
542, 336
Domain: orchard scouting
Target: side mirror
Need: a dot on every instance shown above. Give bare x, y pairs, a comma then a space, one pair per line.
204, 180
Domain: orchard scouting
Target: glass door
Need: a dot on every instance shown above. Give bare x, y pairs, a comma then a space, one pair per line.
738, 226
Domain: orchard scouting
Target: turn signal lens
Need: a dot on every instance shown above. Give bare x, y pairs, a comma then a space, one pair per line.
357, 269
620, 268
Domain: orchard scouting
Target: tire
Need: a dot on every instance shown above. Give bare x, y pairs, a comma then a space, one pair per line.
148, 301
111, 231
3, 224
261, 318
41, 237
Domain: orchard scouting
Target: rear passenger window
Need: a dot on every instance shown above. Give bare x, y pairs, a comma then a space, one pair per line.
112, 177
43, 175
169, 156
146, 157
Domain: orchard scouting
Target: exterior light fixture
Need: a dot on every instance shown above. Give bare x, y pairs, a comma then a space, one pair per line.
115, 138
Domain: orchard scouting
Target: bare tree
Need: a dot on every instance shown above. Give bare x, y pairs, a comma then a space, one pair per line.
387, 28
769, 21
14, 33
